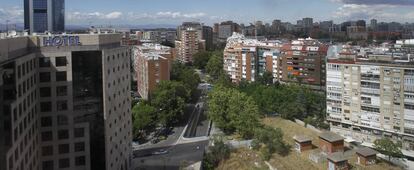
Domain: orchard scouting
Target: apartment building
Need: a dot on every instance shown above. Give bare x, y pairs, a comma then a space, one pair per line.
371, 96
245, 59
65, 102
303, 62
152, 65
191, 42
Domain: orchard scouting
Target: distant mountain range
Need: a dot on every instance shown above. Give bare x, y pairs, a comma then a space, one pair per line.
20, 26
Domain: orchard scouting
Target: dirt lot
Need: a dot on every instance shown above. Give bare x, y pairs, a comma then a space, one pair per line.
246, 159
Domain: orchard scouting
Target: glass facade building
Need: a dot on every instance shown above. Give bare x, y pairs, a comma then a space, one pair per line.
44, 15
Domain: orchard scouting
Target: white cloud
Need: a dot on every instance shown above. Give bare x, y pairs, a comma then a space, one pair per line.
381, 12
116, 16
13, 14
113, 15
76, 16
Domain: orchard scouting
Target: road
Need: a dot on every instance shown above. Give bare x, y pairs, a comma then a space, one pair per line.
177, 156
180, 150
176, 132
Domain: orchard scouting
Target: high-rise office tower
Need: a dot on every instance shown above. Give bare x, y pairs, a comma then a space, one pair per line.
44, 15
65, 103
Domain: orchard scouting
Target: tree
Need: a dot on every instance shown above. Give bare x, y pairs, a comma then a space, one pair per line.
233, 111
387, 147
218, 152
187, 76
142, 118
169, 98
214, 66
266, 78
218, 108
201, 59
269, 141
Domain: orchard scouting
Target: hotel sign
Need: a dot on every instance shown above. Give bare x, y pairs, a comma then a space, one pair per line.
57, 41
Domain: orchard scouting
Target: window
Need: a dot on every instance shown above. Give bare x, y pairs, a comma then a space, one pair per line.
45, 92
47, 136
63, 148
46, 106
79, 132
64, 163
63, 134
79, 147
47, 165
61, 61
61, 90
46, 121
61, 76
44, 62
80, 161
62, 105
62, 120
44, 77
47, 150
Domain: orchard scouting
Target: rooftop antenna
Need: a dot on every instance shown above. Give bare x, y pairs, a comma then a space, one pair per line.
7, 26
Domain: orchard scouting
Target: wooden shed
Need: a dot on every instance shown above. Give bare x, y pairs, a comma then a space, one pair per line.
366, 156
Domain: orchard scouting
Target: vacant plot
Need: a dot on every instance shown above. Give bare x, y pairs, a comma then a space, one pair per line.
301, 161
243, 159
246, 159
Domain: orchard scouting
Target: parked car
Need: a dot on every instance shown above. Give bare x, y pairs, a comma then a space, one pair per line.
160, 152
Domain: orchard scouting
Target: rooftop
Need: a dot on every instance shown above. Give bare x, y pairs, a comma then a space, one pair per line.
365, 151
302, 138
330, 137
337, 157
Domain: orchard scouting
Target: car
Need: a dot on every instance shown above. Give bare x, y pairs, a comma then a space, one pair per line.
160, 152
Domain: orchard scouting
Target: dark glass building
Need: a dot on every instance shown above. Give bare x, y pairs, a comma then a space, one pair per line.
44, 15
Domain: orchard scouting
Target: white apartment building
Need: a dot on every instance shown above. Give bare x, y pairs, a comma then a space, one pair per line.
370, 97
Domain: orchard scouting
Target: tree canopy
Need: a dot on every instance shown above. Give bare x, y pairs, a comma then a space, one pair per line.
201, 59
387, 147
269, 140
187, 76
169, 98
233, 111
214, 66
143, 116
289, 101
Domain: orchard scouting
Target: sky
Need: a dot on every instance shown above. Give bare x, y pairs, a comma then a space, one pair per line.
173, 12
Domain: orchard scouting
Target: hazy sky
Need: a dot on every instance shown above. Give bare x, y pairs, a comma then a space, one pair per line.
142, 12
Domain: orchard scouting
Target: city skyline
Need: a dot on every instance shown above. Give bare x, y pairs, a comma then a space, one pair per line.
131, 12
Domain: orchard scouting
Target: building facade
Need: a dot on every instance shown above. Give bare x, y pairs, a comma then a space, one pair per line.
65, 102
303, 62
152, 65
191, 43
246, 59
371, 96
44, 15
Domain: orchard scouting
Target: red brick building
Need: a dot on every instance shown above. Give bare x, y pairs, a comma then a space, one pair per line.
304, 62
152, 65
302, 143
330, 142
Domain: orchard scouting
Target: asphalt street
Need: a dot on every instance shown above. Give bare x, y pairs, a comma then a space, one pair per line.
177, 156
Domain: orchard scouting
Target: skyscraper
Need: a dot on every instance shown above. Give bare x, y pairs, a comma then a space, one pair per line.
44, 15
